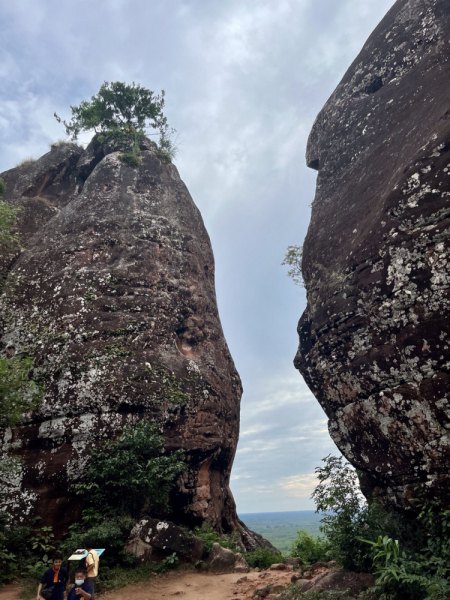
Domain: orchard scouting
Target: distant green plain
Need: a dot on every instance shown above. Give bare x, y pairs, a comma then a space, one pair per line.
281, 528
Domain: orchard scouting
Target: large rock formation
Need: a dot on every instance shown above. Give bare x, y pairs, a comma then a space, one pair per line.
374, 339
113, 297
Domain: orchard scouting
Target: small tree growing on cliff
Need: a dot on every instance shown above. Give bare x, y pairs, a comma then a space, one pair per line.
121, 110
8, 216
293, 259
18, 393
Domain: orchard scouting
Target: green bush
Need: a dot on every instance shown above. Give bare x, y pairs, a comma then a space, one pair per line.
347, 517
210, 536
104, 531
409, 557
130, 159
401, 577
2, 187
420, 571
132, 475
310, 549
8, 218
262, 558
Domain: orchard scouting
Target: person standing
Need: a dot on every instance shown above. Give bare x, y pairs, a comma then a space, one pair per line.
55, 581
92, 564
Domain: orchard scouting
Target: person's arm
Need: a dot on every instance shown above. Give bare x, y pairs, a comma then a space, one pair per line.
90, 566
83, 594
38, 597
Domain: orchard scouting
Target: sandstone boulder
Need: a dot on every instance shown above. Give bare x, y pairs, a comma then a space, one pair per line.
114, 300
152, 539
223, 560
374, 338
340, 581
293, 561
278, 567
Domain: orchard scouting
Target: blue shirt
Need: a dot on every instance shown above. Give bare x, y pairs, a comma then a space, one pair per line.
85, 587
59, 586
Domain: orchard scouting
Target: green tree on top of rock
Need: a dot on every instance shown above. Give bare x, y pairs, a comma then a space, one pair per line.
122, 111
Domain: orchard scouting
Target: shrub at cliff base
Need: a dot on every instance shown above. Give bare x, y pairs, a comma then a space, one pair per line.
210, 536
311, 549
262, 558
409, 557
132, 476
123, 481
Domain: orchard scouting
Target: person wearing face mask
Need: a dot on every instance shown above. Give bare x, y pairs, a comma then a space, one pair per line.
81, 590
55, 581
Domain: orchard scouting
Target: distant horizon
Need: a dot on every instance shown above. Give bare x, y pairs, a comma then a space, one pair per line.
277, 512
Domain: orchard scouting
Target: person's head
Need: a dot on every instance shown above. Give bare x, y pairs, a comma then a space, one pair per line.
57, 562
80, 576
88, 544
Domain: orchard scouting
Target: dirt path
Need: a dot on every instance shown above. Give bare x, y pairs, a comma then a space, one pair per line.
187, 585
200, 586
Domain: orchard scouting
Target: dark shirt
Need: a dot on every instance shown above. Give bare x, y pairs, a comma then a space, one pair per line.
85, 587
59, 586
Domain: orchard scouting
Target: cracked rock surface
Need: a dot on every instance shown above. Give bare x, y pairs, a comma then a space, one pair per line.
374, 339
113, 297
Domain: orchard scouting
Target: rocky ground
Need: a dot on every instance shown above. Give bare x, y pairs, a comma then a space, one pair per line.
267, 585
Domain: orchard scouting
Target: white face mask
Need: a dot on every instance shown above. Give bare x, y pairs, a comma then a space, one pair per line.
79, 581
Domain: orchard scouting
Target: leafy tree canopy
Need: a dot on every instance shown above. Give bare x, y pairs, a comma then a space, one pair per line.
118, 106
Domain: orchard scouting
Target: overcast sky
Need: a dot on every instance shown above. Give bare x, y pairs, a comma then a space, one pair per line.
244, 80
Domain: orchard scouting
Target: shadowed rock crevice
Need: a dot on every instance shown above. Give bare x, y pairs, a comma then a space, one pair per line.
374, 339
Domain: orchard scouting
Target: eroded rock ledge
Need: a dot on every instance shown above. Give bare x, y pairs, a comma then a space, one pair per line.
374, 339
113, 297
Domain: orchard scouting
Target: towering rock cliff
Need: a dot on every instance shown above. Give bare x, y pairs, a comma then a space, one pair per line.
113, 297
374, 339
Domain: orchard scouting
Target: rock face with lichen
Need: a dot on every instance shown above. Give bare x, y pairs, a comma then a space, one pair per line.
375, 336
113, 297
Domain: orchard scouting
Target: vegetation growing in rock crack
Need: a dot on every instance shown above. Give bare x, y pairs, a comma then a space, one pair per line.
293, 259
18, 392
123, 113
8, 217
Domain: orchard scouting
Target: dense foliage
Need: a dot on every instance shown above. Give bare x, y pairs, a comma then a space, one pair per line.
262, 558
123, 112
410, 557
311, 549
133, 474
123, 480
